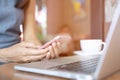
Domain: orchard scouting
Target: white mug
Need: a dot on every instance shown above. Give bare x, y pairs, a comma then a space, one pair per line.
92, 45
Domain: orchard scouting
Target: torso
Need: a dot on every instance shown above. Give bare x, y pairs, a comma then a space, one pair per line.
10, 20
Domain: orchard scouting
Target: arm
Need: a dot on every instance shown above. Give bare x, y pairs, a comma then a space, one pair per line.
22, 52
1, 57
25, 51
29, 26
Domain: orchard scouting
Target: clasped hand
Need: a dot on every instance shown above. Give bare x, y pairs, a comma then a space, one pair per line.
28, 52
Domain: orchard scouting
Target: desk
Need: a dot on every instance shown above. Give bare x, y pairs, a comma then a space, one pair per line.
8, 73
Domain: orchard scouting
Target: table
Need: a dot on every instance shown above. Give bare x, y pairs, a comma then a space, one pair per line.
8, 73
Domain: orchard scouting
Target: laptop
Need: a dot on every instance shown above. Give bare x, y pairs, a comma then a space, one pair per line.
88, 67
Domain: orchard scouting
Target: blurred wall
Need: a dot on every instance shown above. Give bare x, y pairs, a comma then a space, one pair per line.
61, 12
81, 26
55, 12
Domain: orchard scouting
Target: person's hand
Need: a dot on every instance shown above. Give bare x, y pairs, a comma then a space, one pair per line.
59, 46
23, 52
54, 50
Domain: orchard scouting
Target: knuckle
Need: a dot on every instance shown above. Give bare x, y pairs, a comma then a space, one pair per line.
24, 59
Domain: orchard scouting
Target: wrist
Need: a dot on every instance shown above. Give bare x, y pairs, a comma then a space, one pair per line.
2, 55
32, 40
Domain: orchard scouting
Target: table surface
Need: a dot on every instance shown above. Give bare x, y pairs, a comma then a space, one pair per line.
7, 72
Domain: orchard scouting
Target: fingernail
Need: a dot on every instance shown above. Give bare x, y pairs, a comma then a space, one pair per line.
48, 56
53, 44
50, 47
58, 43
46, 49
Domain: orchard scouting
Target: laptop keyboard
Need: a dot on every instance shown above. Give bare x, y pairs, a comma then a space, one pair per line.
86, 66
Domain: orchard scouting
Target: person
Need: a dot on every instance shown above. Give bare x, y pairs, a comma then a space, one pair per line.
13, 13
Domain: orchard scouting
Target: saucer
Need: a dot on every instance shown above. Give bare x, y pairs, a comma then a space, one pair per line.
86, 53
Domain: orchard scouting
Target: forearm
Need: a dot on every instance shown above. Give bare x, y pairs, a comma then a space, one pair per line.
29, 21
29, 29
29, 26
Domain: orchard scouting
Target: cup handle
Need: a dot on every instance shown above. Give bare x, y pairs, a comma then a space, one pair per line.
103, 45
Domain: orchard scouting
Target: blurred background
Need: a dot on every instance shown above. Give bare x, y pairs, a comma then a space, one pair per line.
82, 19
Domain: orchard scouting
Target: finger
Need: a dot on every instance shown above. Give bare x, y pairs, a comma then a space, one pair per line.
56, 50
65, 38
51, 52
33, 58
30, 52
59, 48
48, 55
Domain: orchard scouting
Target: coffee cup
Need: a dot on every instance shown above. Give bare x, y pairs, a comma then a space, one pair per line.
92, 45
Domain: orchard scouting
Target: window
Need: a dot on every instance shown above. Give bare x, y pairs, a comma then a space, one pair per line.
41, 15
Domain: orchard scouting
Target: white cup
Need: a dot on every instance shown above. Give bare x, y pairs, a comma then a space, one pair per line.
92, 45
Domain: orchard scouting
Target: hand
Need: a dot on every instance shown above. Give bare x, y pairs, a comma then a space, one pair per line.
59, 46
23, 52
54, 50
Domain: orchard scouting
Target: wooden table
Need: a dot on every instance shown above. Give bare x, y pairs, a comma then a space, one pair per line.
8, 73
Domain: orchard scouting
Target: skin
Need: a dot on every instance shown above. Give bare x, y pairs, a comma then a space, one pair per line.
22, 52
29, 49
